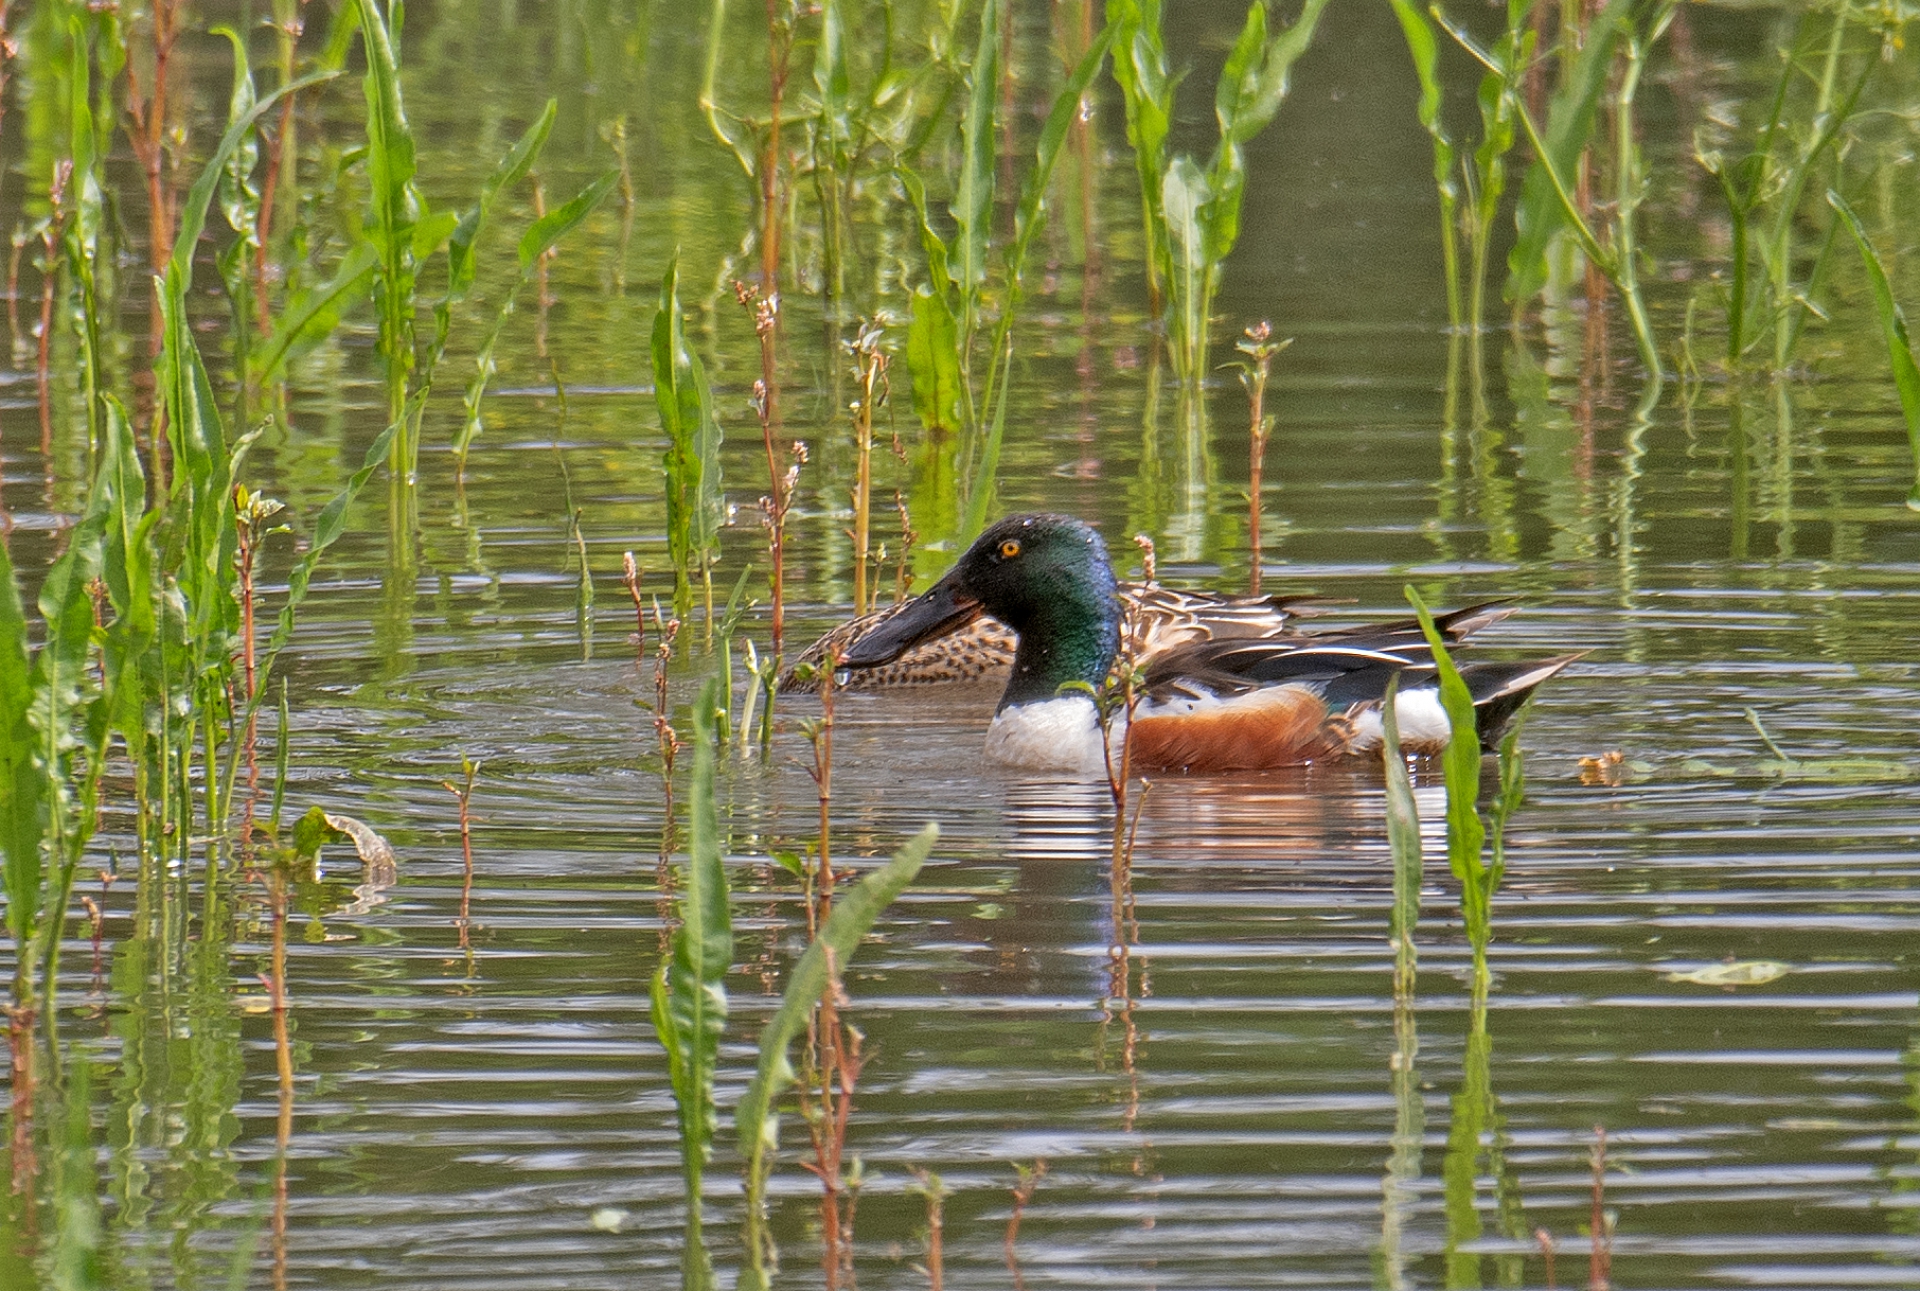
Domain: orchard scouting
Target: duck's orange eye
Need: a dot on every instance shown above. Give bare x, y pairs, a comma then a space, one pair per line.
1009, 549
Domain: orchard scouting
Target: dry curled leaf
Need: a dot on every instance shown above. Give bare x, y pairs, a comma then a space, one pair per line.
1609, 768
382, 871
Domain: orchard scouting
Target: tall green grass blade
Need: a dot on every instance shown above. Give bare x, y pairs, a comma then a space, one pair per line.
1466, 835
689, 989
1893, 325
541, 237
1424, 47
1254, 82
23, 802
1183, 198
1029, 218
1570, 120
755, 1122
936, 362
394, 210
127, 570
512, 168
933, 361
1146, 88
311, 313
1403, 841
681, 393
545, 233
193, 210
972, 206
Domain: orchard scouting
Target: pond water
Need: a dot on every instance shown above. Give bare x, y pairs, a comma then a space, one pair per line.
1226, 1107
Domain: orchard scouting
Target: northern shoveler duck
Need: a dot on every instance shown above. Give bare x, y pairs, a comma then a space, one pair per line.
1217, 705
982, 649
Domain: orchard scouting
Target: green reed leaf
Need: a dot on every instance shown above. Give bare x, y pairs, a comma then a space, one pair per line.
1146, 88
511, 169
854, 912
933, 361
394, 207
685, 401
1423, 45
1028, 219
1251, 88
1466, 835
938, 274
193, 211
1403, 840
689, 990
1184, 195
544, 233
23, 803
972, 206
1254, 81
1570, 119
1893, 326
311, 314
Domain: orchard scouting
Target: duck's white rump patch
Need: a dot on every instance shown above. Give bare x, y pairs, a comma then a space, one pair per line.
1423, 724
1052, 735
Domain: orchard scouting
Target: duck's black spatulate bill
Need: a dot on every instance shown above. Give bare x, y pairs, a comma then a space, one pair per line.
943, 609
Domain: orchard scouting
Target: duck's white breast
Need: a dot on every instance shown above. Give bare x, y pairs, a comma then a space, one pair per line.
1052, 735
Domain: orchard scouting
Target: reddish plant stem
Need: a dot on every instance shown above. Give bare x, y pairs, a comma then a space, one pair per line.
1022, 1194
148, 137
765, 307
779, 64
1600, 1260
20, 1029
903, 571
669, 739
463, 792
936, 1195
96, 921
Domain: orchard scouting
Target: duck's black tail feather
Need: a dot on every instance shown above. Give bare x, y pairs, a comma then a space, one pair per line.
1500, 689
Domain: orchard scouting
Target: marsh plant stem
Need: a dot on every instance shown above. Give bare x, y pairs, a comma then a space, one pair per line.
870, 370
1258, 344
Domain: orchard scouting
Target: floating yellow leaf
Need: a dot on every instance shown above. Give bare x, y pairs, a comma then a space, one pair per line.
1742, 972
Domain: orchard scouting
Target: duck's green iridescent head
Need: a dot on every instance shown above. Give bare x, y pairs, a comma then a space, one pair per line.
1047, 578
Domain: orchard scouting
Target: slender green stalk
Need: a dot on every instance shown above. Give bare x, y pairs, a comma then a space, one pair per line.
1424, 47
1201, 208
756, 1121
689, 991
1466, 836
1893, 326
685, 401
1403, 840
1029, 217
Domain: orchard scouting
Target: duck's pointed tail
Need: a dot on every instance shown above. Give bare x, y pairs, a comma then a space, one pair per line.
1499, 690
